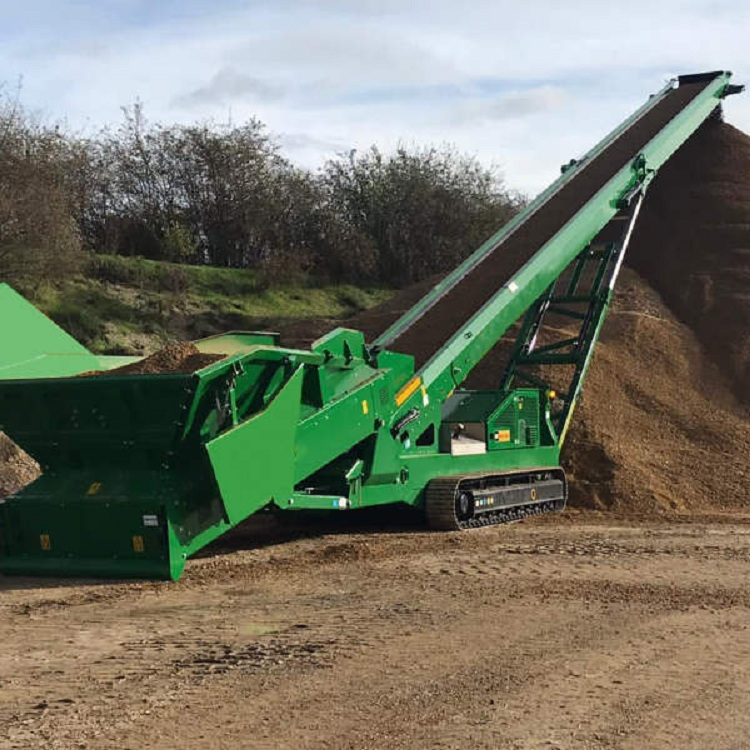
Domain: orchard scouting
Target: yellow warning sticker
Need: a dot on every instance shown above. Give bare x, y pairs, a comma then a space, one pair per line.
502, 436
44, 542
94, 488
410, 388
365, 407
137, 544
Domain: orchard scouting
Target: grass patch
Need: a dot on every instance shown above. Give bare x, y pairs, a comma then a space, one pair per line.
132, 305
159, 276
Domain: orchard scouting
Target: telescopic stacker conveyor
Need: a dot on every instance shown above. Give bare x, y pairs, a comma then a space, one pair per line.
141, 471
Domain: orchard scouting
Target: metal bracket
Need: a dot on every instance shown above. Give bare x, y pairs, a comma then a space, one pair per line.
731, 89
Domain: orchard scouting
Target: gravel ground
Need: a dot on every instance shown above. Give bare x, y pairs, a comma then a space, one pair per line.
583, 631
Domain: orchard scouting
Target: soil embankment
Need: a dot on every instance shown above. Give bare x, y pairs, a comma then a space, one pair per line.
692, 244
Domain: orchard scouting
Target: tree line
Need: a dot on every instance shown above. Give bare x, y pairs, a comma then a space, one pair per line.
225, 195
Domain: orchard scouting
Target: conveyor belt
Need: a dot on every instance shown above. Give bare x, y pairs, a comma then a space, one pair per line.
428, 333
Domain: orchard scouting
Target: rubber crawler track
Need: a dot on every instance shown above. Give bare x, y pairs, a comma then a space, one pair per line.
440, 508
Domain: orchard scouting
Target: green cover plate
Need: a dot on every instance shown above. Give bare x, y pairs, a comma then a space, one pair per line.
35, 347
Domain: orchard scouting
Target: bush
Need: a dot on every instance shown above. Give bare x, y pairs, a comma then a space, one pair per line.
224, 196
39, 238
416, 211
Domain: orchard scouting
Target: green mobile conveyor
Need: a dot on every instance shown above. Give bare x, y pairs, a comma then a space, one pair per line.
141, 471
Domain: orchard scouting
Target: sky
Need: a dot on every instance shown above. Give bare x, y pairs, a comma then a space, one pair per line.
524, 86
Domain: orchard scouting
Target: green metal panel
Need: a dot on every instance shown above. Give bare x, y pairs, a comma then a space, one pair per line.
49, 366
515, 423
35, 347
120, 529
97, 421
471, 406
253, 461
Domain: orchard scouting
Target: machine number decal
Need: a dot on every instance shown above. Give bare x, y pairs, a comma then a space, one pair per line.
150, 520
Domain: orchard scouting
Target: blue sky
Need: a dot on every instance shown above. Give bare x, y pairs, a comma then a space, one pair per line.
525, 86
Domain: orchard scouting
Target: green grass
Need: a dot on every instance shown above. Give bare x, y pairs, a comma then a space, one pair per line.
158, 276
133, 305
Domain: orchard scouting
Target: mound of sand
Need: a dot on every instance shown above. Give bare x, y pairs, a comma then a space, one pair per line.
175, 358
692, 243
17, 468
658, 427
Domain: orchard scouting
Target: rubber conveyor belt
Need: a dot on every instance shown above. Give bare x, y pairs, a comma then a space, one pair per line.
428, 333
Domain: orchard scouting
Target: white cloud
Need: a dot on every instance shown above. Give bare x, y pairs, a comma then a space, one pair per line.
509, 106
227, 86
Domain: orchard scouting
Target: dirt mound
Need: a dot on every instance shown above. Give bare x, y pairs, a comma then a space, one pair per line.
175, 358
17, 468
658, 428
692, 243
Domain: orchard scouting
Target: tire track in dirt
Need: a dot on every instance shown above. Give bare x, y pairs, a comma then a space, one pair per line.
381, 641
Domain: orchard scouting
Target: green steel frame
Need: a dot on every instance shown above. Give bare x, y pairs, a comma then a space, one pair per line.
140, 472
452, 364
584, 299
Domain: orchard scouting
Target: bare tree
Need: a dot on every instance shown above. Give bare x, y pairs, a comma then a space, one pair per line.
39, 239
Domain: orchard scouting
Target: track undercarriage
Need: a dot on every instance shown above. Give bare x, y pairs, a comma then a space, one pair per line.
478, 500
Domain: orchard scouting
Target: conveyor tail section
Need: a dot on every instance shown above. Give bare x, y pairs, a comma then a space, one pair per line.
430, 325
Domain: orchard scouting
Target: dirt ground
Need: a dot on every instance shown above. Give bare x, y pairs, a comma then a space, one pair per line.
581, 630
